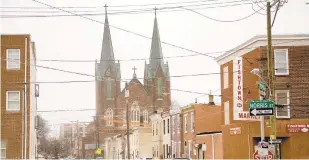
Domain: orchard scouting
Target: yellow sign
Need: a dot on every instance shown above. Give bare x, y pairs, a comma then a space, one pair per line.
98, 151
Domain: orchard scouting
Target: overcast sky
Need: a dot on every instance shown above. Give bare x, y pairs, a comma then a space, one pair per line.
75, 38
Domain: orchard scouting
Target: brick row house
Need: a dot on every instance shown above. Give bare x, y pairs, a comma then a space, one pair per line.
241, 132
18, 101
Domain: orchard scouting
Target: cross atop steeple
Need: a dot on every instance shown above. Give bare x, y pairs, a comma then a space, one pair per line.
134, 69
105, 6
155, 9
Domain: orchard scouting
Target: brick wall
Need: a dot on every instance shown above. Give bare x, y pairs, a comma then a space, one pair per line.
297, 80
11, 124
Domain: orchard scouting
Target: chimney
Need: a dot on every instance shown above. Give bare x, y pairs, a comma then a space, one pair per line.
211, 100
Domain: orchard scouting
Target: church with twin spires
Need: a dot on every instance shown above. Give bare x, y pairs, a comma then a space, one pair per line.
144, 98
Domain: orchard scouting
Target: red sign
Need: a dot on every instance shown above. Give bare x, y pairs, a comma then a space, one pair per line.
269, 156
298, 128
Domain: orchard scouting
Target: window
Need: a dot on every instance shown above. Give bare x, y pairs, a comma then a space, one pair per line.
135, 114
157, 128
226, 112
173, 125
192, 122
178, 125
109, 88
281, 62
225, 77
159, 87
12, 101
13, 59
109, 117
189, 153
153, 129
283, 100
145, 116
168, 125
3, 149
164, 127
186, 124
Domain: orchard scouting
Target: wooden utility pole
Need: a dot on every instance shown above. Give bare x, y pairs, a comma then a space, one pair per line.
77, 139
270, 58
127, 117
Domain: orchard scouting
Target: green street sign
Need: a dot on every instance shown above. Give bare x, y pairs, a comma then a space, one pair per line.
260, 104
262, 86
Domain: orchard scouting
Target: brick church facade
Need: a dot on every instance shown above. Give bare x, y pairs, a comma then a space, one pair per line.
144, 98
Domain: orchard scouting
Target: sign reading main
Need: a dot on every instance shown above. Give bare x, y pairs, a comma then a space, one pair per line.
238, 107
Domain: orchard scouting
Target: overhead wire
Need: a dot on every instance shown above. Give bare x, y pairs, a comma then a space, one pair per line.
218, 20
167, 57
137, 34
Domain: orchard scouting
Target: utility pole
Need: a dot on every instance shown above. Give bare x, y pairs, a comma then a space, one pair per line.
128, 127
95, 134
77, 139
270, 59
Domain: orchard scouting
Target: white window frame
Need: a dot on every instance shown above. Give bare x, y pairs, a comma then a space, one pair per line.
225, 77
186, 123
287, 105
226, 112
192, 122
146, 116
3, 143
10, 60
7, 101
287, 61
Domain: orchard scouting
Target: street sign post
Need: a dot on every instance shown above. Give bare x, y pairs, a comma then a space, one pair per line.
261, 108
262, 89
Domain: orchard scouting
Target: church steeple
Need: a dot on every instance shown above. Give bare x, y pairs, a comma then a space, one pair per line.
107, 52
156, 56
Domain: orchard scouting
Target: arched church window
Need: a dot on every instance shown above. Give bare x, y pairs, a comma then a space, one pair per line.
109, 117
145, 114
135, 113
109, 88
159, 87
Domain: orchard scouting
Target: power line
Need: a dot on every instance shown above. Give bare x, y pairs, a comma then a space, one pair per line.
172, 9
135, 11
218, 20
200, 2
167, 57
140, 35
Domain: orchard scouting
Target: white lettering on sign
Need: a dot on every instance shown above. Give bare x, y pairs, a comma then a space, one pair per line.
238, 108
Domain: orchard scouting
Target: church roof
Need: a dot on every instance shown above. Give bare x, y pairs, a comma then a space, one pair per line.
107, 53
156, 55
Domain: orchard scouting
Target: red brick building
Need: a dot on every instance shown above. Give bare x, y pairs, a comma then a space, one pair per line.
17, 67
143, 99
201, 125
241, 132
